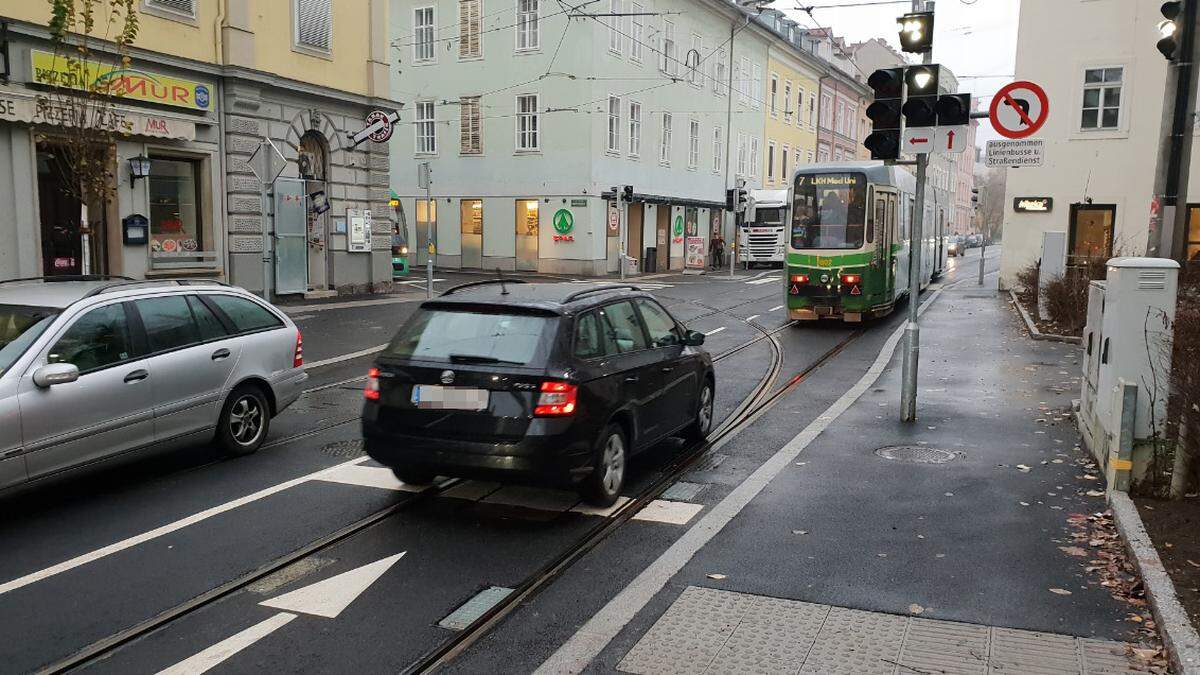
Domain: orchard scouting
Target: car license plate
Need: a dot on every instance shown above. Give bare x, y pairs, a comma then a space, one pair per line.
437, 397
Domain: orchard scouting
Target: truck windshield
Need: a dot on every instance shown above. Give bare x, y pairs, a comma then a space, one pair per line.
20, 325
772, 215
828, 211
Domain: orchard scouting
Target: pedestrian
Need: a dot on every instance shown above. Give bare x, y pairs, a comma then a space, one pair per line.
716, 250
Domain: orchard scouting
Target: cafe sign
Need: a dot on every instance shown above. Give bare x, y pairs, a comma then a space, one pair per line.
1033, 204
133, 84
41, 109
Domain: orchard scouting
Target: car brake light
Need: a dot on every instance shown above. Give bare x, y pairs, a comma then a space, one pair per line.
371, 391
556, 400
849, 279
298, 355
799, 278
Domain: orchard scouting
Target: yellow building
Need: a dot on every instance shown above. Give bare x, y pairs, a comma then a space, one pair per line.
209, 82
790, 132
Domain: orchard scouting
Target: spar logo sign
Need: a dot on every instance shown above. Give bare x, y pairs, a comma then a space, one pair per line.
677, 229
118, 81
564, 223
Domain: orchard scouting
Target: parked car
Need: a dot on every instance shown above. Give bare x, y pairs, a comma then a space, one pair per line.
536, 383
955, 247
974, 241
92, 369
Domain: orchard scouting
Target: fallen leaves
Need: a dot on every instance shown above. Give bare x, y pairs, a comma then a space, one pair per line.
916, 609
716, 576
1074, 551
1094, 493
1060, 591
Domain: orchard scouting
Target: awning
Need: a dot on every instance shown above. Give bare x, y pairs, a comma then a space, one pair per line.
38, 108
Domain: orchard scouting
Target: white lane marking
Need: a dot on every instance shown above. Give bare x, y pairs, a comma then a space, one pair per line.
672, 513
328, 597
764, 280
602, 511
419, 282
752, 317
368, 476
577, 653
715, 331
92, 556
291, 310
776, 308
218, 653
345, 357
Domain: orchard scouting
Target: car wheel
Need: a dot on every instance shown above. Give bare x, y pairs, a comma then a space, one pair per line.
244, 422
702, 424
603, 485
413, 476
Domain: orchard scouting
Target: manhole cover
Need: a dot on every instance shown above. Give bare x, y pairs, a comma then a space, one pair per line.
349, 449
915, 453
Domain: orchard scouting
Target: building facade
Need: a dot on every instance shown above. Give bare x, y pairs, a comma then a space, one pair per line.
208, 82
1106, 86
526, 139
793, 87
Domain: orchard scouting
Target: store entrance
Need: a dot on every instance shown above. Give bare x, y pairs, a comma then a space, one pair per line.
66, 247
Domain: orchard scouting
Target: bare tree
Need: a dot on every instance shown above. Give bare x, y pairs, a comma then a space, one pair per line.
990, 214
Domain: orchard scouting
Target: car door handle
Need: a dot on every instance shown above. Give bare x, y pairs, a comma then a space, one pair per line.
137, 375
220, 354
632, 378
667, 369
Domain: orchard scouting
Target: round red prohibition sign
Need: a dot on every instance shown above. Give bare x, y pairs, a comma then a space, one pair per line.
1019, 109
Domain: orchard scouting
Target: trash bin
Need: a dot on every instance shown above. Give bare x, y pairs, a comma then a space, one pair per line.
631, 265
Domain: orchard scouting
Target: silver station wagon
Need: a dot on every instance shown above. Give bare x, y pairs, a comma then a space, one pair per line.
94, 368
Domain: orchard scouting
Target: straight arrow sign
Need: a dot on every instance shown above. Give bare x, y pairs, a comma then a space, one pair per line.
950, 140
327, 599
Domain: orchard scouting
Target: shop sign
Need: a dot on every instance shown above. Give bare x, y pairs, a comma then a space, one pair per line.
694, 253
678, 230
564, 223
42, 109
578, 203
125, 83
1033, 204
614, 219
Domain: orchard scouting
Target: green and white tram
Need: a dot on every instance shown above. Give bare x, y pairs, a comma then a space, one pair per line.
849, 239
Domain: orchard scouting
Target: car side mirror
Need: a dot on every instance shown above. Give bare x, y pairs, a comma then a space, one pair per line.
55, 373
693, 338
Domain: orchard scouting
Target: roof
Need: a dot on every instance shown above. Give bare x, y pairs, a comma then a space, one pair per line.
61, 294
542, 297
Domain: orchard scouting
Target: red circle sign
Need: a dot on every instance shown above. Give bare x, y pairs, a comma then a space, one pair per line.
382, 134
1019, 109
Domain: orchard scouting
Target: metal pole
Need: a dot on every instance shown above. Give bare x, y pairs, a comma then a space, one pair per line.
430, 247
730, 249
912, 331
622, 227
266, 238
982, 253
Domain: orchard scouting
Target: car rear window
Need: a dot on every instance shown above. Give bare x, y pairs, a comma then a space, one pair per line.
247, 315
471, 336
20, 325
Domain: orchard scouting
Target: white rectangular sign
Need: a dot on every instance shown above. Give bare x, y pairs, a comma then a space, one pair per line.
917, 139
1022, 152
950, 140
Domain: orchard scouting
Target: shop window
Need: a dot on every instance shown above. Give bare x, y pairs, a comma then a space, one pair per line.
1091, 232
176, 219
1193, 229
527, 217
472, 216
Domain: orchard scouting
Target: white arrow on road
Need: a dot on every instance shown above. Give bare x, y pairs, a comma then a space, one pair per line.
326, 598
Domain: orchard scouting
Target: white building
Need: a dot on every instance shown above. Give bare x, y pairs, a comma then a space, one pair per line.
528, 119
1105, 80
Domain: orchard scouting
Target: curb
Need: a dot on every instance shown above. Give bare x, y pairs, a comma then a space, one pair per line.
1178, 634
1033, 329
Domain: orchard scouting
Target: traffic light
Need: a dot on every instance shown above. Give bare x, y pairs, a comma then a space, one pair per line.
884, 113
627, 193
1168, 29
920, 104
735, 199
953, 109
916, 32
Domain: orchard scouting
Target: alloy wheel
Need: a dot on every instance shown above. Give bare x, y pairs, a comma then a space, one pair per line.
612, 463
246, 420
704, 417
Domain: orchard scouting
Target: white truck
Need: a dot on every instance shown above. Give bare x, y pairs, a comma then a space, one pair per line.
762, 238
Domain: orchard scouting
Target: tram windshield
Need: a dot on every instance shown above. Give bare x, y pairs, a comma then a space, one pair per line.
829, 211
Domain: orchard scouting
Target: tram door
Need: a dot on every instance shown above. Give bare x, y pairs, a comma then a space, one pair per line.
889, 240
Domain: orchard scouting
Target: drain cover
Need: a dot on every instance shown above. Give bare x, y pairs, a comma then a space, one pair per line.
349, 449
918, 454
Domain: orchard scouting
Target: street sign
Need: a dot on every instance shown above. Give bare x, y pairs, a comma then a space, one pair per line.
424, 175
1024, 152
917, 139
1019, 109
950, 140
379, 127
614, 219
267, 162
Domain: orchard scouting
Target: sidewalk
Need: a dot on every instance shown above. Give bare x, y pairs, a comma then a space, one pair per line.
957, 544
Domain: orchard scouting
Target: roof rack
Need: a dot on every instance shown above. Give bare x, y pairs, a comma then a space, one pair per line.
485, 282
181, 281
69, 277
599, 289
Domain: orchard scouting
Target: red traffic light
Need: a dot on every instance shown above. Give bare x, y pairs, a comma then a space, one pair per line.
887, 82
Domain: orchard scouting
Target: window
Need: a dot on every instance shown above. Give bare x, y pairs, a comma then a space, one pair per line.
742, 168
470, 139
796, 163
615, 41
799, 106
718, 147
663, 330
426, 129
470, 27
96, 340
787, 102
627, 331
528, 26
720, 74
742, 78
754, 156
823, 155
614, 124
771, 161
20, 325
756, 91
637, 32
169, 323
670, 50
812, 111
246, 315
635, 128
783, 171
1101, 98
693, 61
593, 338
175, 213
830, 216
424, 34
809, 156
840, 121
314, 25
773, 95
506, 337
826, 112
693, 144
838, 155
183, 8
528, 127
210, 326
852, 122
1091, 232
664, 154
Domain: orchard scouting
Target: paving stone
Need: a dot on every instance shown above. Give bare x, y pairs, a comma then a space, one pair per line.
774, 636
687, 638
944, 647
1021, 651
855, 642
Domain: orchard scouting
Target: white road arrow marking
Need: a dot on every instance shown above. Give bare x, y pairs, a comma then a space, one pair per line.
325, 599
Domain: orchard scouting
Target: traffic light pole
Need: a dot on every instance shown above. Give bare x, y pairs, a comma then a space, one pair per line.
912, 330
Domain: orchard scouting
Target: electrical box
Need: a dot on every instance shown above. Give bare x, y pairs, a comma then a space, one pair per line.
135, 230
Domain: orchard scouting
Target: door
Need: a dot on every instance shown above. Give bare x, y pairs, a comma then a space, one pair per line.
191, 350
472, 233
639, 365
663, 250
633, 233
291, 237
12, 459
107, 411
890, 234
1090, 232
527, 235
676, 403
59, 212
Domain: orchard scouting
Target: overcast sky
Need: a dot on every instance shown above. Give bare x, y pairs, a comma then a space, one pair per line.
972, 37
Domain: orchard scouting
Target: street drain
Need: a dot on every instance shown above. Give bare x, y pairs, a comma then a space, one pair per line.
348, 449
918, 454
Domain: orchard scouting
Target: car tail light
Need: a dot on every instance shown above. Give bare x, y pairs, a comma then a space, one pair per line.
556, 400
849, 279
298, 355
371, 391
799, 278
